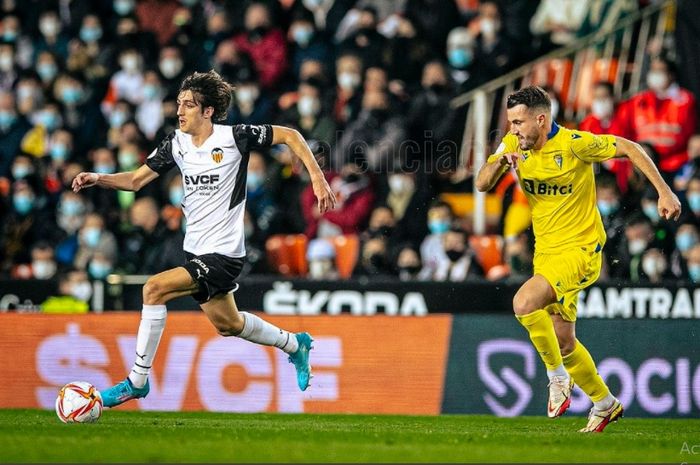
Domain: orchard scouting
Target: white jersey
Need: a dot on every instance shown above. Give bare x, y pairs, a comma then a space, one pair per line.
214, 179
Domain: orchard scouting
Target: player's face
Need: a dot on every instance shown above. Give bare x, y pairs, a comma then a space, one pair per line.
189, 113
526, 125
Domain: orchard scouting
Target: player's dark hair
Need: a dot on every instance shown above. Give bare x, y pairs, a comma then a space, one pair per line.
530, 96
210, 90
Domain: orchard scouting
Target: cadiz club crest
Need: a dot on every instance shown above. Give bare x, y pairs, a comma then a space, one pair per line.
217, 155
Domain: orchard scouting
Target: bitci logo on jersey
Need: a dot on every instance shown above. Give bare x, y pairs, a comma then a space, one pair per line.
217, 154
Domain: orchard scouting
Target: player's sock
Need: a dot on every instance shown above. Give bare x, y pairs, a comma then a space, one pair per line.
541, 329
257, 330
605, 403
582, 369
558, 371
150, 330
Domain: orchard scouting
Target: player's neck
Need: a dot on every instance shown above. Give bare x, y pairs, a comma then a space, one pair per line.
202, 134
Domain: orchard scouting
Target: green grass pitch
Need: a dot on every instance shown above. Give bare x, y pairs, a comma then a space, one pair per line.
38, 436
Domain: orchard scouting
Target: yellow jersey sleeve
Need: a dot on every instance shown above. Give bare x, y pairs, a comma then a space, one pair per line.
508, 144
592, 148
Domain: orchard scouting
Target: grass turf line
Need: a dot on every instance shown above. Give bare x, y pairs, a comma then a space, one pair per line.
38, 436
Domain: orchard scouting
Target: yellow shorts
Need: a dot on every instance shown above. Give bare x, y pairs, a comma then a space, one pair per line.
568, 272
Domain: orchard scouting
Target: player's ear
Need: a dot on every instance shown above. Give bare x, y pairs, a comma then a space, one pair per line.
208, 112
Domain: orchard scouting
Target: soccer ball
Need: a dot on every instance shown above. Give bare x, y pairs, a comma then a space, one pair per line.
79, 402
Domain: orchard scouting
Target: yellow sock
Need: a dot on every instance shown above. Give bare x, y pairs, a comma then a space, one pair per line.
543, 337
581, 367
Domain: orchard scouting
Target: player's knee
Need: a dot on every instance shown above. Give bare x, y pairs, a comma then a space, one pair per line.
522, 305
153, 292
230, 327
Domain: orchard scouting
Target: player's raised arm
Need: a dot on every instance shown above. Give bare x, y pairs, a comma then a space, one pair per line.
294, 140
125, 181
669, 206
491, 172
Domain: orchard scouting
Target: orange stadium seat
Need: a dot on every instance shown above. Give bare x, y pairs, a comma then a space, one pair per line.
347, 251
286, 254
488, 250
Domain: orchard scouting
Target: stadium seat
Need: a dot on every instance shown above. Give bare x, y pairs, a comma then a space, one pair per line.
347, 251
488, 250
286, 254
462, 204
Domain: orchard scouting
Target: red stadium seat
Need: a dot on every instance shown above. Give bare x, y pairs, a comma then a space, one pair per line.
286, 254
347, 251
488, 250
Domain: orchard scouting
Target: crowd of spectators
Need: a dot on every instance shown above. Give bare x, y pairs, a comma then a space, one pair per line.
91, 85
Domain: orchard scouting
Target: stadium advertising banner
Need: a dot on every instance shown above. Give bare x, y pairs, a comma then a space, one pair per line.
380, 365
652, 366
394, 298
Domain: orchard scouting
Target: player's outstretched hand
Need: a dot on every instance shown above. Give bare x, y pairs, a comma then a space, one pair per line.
669, 206
510, 159
83, 180
324, 194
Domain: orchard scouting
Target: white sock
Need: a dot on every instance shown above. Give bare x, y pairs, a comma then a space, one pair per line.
257, 330
605, 403
558, 371
150, 330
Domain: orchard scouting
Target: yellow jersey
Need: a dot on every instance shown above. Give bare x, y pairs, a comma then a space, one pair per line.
559, 184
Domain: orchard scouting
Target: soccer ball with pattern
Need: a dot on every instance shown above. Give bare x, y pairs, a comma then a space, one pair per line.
79, 402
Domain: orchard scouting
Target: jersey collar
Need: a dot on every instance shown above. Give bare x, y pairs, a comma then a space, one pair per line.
553, 132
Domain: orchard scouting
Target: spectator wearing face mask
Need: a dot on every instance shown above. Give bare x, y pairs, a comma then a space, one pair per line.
693, 264
94, 238
692, 198
149, 113
609, 204
687, 237
458, 262
47, 68
12, 130
493, 49
355, 199
374, 258
376, 135
251, 103
74, 293
320, 255
460, 56
24, 225
127, 83
432, 252
625, 263
52, 38
348, 97
171, 66
260, 202
691, 169
306, 42
70, 216
265, 44
81, 112
662, 228
382, 224
655, 267
43, 265
309, 114
364, 40
100, 266
664, 115
408, 263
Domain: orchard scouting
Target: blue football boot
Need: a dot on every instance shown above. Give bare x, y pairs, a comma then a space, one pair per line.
121, 392
300, 359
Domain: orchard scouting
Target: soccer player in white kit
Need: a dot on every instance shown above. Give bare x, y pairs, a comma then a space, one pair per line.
213, 159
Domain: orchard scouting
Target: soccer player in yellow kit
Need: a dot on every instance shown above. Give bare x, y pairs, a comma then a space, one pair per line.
555, 170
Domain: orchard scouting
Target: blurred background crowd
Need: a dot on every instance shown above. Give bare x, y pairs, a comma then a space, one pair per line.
90, 85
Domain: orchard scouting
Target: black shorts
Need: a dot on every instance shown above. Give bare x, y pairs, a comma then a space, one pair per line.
215, 274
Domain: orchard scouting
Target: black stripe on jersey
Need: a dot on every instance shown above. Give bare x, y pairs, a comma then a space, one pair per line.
247, 137
239, 184
162, 160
